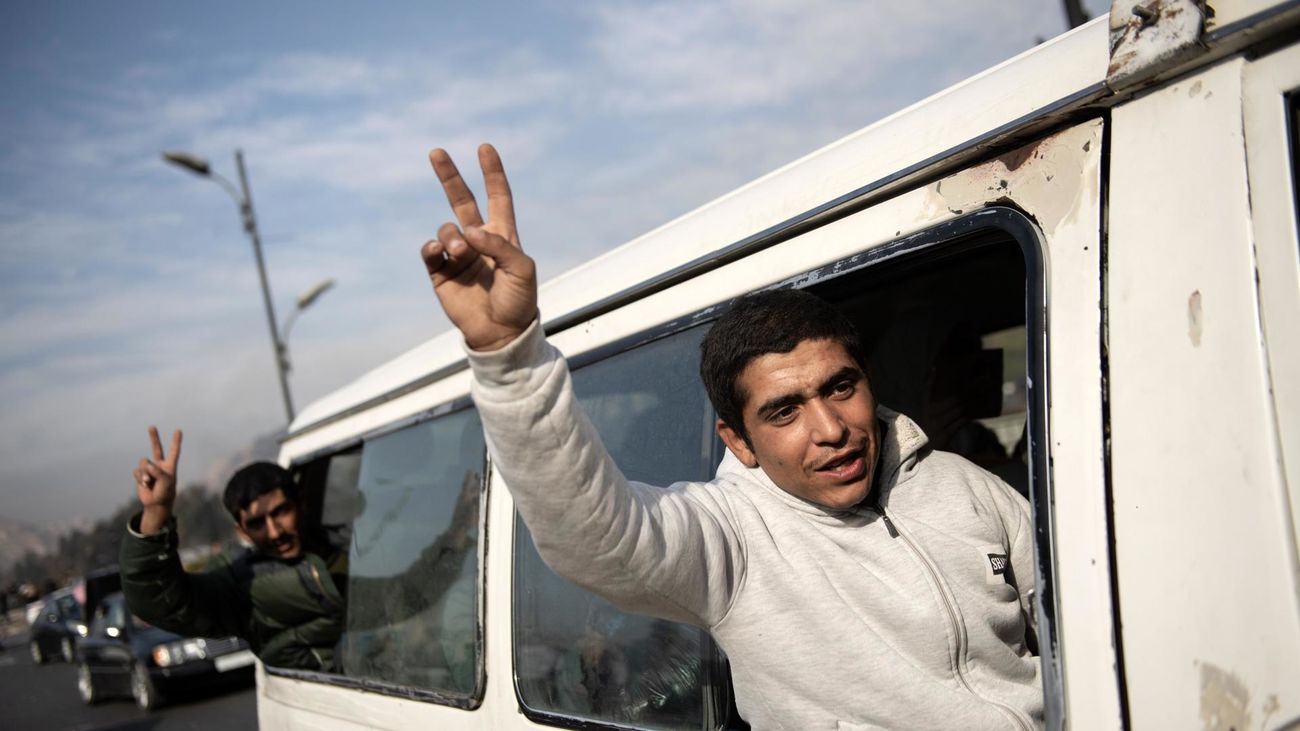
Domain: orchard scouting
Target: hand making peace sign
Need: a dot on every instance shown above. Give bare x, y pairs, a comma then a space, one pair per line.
155, 483
486, 283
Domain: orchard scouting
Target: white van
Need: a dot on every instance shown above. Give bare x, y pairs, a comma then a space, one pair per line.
1079, 268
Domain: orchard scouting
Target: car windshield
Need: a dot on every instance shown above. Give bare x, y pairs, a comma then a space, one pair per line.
69, 608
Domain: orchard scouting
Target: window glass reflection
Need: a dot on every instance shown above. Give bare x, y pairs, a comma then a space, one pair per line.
412, 614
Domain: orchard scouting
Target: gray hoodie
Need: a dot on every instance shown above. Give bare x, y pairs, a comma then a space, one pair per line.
910, 611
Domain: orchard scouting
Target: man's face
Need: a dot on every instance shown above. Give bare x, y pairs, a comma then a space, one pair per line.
811, 420
270, 523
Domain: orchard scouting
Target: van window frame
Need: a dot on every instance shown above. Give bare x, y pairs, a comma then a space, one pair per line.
427, 695
964, 232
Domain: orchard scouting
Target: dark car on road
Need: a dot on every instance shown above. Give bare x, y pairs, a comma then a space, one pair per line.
55, 630
123, 656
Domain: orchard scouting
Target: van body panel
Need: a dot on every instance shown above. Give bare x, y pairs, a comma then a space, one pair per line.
1205, 558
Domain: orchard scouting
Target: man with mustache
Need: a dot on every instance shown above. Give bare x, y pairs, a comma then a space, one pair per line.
854, 577
286, 592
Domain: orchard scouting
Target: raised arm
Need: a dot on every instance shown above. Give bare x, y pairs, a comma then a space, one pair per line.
157, 588
672, 553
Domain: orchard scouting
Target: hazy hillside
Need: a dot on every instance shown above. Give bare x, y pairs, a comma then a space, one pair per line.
17, 538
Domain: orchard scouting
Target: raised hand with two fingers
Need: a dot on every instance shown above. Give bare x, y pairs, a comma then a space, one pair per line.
485, 282
155, 483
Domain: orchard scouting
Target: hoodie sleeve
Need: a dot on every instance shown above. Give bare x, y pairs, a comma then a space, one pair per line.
672, 553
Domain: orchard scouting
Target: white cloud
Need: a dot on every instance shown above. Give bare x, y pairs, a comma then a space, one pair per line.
130, 296
741, 54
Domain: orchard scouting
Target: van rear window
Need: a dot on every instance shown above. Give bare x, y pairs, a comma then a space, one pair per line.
412, 599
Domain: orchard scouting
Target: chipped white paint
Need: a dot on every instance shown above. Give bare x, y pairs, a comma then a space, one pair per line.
1149, 36
1042, 177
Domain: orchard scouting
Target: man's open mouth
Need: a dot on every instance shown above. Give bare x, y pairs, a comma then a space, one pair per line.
848, 466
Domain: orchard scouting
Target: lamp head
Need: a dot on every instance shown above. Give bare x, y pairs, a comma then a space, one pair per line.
306, 298
193, 163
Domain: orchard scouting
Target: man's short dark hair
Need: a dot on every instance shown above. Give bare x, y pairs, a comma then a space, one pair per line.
255, 480
775, 321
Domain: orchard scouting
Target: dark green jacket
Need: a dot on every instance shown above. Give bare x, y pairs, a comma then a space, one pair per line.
290, 612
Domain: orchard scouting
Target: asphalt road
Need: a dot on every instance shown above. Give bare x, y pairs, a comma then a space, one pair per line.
45, 697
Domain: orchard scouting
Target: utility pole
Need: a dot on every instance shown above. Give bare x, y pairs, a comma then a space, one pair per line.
250, 225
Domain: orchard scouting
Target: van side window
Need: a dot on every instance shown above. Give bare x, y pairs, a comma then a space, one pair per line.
412, 589
576, 655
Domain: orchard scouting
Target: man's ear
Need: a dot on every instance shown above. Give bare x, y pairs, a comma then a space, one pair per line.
240, 534
736, 444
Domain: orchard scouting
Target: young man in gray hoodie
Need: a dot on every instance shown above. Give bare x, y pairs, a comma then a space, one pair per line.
855, 578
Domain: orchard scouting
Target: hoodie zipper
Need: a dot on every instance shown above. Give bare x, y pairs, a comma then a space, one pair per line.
958, 630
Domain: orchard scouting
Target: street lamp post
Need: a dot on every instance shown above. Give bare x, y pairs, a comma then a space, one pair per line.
199, 166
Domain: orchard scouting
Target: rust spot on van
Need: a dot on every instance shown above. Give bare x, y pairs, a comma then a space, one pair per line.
1049, 179
1019, 156
1150, 36
1225, 700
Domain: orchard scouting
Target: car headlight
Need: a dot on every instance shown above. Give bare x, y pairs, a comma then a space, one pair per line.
82, 629
162, 656
175, 653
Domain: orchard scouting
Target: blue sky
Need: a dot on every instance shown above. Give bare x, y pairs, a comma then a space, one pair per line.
128, 294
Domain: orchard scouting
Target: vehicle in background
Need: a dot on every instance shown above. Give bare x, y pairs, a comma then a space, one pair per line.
55, 629
91, 589
124, 656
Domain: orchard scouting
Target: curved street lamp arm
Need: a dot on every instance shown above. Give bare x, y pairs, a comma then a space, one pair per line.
230, 188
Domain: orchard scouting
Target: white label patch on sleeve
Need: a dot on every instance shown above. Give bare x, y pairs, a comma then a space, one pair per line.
996, 563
